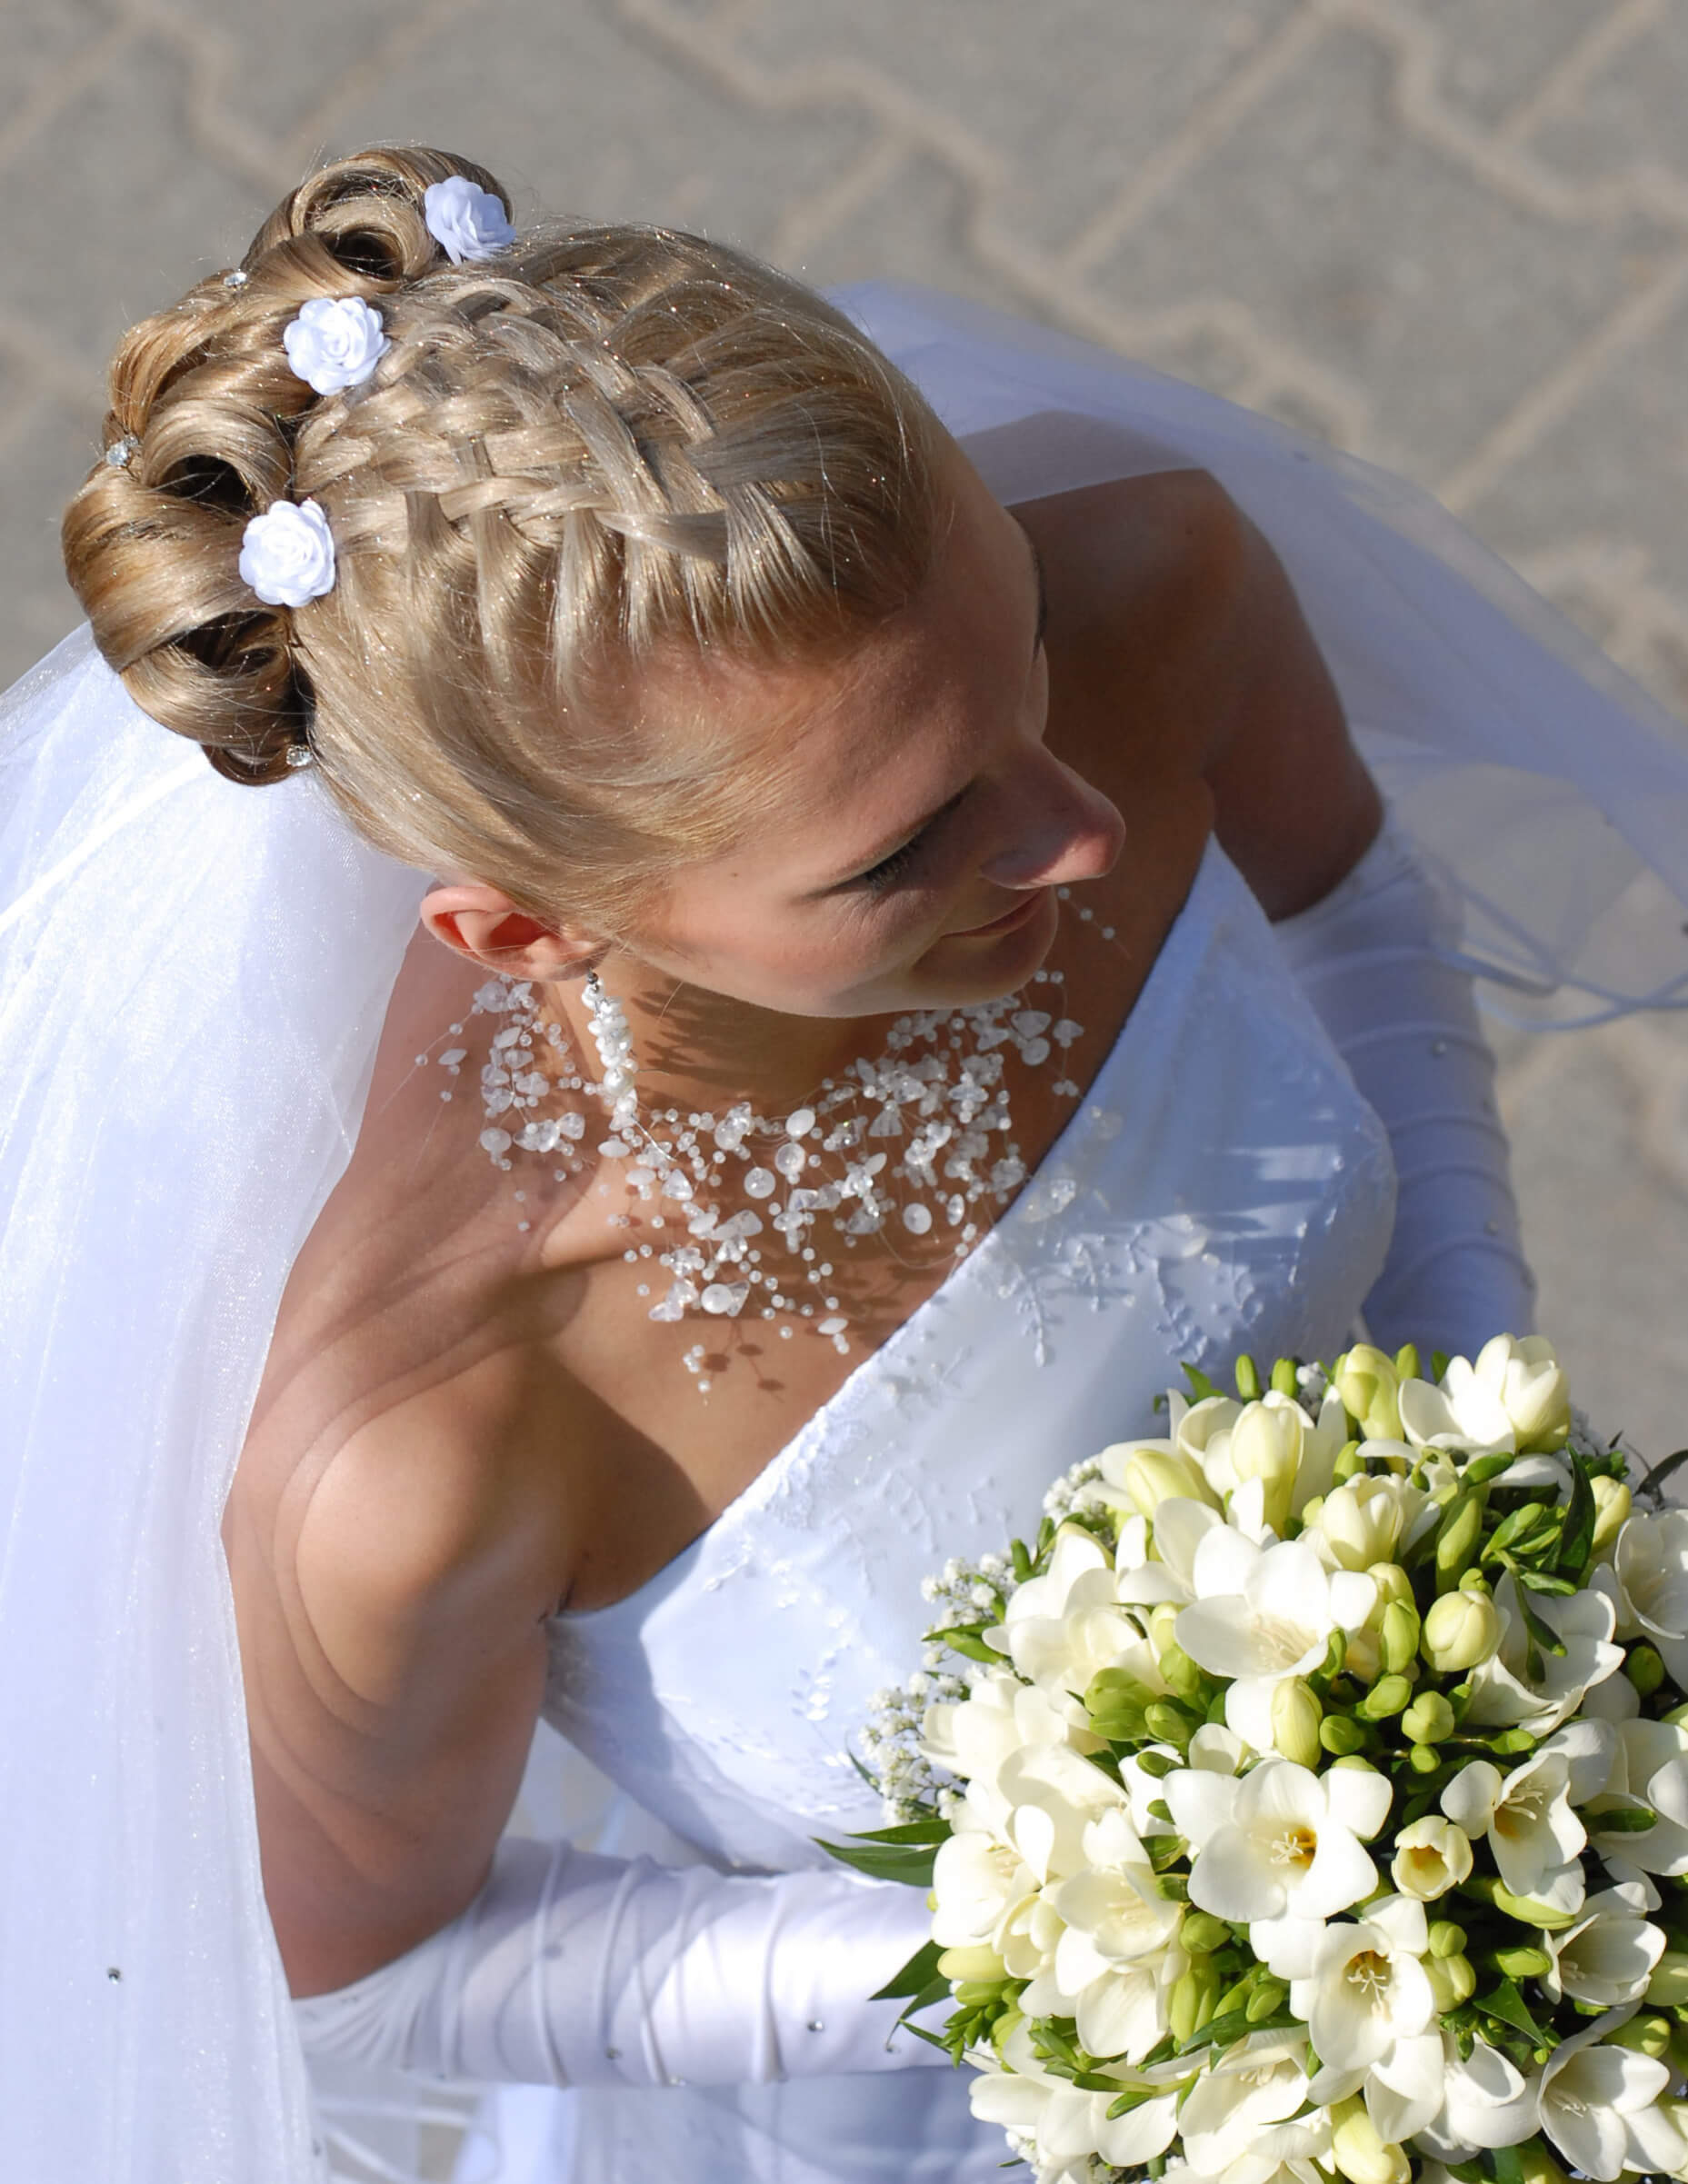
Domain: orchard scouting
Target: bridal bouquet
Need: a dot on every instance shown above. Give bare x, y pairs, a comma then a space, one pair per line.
1311, 1798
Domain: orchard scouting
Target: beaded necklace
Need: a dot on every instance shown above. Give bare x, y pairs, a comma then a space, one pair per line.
919, 1137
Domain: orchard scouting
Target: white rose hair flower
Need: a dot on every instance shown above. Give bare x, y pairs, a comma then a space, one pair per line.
468, 221
334, 342
1307, 1803
287, 554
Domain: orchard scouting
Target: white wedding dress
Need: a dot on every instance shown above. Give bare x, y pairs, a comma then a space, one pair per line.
1223, 1188
193, 979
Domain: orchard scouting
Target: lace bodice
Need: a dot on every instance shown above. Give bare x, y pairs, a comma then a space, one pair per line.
1222, 1188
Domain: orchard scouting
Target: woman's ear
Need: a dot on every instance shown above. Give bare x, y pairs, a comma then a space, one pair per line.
483, 926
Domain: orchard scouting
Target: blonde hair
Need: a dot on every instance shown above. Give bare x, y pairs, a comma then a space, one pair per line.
603, 444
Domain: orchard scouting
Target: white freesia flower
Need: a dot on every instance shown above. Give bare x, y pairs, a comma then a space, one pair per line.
468, 221
1594, 2096
1062, 1628
981, 1883
1651, 1560
1368, 2006
1261, 1614
1202, 1432
974, 1737
1503, 1695
1180, 1527
1534, 1835
1280, 1847
1055, 1794
1650, 1769
1242, 2106
1064, 2125
1514, 1397
334, 342
1486, 2102
1608, 1956
1113, 1908
1431, 1857
287, 554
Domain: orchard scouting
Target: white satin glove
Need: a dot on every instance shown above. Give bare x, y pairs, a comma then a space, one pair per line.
1369, 958
571, 1968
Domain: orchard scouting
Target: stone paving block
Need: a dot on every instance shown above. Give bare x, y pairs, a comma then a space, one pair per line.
1071, 95
1631, 113
44, 458
1496, 55
37, 43
283, 62
1615, 464
1438, 297
1607, 1231
912, 227
149, 211
579, 115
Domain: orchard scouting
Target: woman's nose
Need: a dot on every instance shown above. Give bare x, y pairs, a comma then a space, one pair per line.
1062, 830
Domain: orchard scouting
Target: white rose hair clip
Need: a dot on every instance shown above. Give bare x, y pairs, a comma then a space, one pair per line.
287, 554
334, 342
468, 221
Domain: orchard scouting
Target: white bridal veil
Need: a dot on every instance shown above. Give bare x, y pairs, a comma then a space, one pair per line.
193, 977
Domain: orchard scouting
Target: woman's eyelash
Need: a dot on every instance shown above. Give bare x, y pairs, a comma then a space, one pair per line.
889, 869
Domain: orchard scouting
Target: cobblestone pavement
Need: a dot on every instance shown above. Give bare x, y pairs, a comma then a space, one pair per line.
1449, 234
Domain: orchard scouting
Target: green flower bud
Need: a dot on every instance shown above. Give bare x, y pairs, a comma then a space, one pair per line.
1248, 1378
1539, 2166
1644, 1670
1151, 1476
1339, 1735
1347, 1464
1285, 1381
1362, 2156
1613, 1501
1202, 1934
1387, 1696
1522, 1962
1424, 1759
1268, 1997
1452, 1981
1183, 1677
1168, 1723
1367, 1381
1669, 1983
1447, 1938
1295, 1718
1397, 1639
1511, 1743
1009, 2022
1406, 1363
1648, 2034
1191, 2002
975, 1962
1458, 1538
1393, 1584
1461, 1630
1429, 1719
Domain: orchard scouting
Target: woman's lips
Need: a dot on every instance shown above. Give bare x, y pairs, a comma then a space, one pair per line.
1018, 915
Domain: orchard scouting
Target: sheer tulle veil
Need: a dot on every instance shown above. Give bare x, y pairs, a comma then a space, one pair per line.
193, 977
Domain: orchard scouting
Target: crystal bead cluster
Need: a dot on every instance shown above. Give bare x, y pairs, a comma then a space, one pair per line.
920, 1139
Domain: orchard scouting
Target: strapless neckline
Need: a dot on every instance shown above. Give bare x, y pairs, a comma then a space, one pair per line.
1086, 1117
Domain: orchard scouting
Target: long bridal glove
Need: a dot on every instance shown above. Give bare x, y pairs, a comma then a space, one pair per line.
571, 1968
1371, 959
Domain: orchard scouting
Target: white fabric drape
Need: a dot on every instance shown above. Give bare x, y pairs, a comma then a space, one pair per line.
193, 977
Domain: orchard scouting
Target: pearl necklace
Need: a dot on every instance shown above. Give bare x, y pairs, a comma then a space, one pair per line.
921, 1137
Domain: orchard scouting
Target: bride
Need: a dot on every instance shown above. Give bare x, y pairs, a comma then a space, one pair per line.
864, 938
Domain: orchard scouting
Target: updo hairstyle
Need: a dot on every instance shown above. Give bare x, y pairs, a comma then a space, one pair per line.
598, 446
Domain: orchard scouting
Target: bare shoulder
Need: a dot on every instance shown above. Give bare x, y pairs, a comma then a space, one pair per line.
1180, 614
393, 1538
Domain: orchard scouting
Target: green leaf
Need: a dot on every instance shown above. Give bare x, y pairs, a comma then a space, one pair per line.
916, 1976
1508, 2166
911, 1863
933, 1831
1540, 1633
1539, 1580
1577, 1541
1507, 2005
1201, 1387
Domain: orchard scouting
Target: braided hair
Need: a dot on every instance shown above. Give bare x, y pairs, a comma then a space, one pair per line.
600, 446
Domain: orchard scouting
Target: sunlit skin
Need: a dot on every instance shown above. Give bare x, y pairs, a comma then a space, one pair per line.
925, 743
